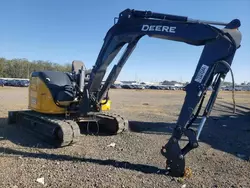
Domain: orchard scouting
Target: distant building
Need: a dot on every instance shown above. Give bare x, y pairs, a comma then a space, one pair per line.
149, 83
129, 82
178, 85
14, 79
172, 84
118, 82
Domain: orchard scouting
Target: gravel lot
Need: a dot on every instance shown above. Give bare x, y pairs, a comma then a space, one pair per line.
222, 160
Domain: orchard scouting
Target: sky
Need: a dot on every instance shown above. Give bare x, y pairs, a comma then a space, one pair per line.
63, 31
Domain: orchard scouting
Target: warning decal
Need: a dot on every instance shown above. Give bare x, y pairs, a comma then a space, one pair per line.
202, 72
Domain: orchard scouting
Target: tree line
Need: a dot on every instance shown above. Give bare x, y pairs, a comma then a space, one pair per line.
22, 68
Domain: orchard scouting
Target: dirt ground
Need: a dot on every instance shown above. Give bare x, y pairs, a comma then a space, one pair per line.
222, 159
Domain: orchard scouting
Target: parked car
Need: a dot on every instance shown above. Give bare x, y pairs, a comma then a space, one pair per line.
116, 86
23, 83
138, 87
127, 87
2, 83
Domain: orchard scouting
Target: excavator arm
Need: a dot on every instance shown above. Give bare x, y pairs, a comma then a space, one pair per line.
220, 46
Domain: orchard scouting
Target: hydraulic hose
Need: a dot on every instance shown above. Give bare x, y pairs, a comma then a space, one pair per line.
233, 82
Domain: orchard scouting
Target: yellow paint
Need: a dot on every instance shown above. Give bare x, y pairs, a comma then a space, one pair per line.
40, 98
106, 106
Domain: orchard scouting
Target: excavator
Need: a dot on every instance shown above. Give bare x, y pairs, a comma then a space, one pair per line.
60, 103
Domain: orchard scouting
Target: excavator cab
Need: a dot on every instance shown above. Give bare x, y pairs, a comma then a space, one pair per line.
54, 92
50, 92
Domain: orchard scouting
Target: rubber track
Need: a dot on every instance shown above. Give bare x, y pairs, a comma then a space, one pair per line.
76, 130
70, 129
122, 123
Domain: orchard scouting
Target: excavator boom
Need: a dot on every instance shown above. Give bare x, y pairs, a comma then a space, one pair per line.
133, 25
220, 46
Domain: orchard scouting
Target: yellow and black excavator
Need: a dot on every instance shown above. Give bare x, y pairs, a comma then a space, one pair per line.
60, 103
54, 113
